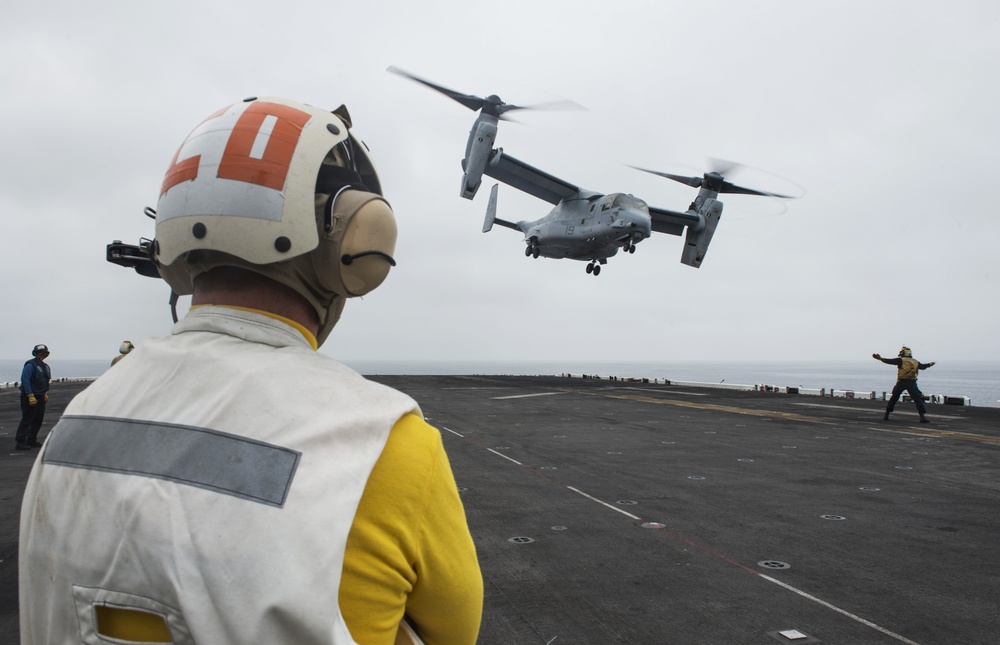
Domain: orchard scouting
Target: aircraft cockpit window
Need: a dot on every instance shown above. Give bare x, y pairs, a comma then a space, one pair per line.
627, 201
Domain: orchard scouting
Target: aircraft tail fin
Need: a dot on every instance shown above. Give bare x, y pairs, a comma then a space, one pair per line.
491, 210
697, 240
491, 214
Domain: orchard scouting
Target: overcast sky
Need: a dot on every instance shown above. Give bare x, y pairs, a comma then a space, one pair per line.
885, 113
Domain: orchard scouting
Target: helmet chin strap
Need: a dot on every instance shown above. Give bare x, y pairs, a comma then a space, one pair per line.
173, 304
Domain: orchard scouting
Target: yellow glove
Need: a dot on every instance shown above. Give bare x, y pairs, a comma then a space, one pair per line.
32, 401
45, 397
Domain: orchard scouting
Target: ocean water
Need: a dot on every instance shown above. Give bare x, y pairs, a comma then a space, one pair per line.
978, 380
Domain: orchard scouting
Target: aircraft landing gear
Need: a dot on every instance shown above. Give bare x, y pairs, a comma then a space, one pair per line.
594, 268
628, 247
532, 250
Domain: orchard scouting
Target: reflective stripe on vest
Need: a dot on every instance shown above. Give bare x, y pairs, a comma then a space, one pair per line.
218, 461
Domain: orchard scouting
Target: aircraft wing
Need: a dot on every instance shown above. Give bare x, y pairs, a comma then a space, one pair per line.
671, 222
533, 181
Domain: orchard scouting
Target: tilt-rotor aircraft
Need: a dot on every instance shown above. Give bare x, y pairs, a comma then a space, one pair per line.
583, 224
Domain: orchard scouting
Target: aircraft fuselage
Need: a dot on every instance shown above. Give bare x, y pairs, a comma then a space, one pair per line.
589, 227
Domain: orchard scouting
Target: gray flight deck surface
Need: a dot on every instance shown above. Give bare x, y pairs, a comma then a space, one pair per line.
625, 512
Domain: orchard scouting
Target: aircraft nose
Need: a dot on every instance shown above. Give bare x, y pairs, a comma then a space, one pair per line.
635, 221
640, 221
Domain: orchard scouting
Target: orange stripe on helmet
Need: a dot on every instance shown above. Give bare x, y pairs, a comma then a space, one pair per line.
272, 168
188, 169
180, 172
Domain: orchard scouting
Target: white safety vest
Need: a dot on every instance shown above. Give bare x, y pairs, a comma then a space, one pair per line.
210, 479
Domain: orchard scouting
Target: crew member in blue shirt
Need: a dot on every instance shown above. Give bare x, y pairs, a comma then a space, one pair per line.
35, 379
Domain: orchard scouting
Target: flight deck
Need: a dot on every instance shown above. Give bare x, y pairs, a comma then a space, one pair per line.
630, 512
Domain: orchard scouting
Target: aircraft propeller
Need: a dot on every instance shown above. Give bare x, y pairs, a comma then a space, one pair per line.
715, 180
492, 104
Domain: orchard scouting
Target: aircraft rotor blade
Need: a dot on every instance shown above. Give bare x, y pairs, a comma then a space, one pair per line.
560, 106
491, 104
722, 166
503, 108
725, 167
474, 103
740, 190
714, 180
694, 182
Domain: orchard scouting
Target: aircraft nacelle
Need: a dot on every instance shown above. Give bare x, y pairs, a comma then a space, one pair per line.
699, 236
477, 154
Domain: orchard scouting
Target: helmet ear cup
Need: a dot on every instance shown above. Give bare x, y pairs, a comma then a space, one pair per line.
358, 242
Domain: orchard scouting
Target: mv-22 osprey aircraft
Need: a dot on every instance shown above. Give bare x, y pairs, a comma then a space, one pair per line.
583, 225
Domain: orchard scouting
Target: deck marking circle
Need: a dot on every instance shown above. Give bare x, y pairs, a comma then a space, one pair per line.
869, 488
774, 564
614, 452
697, 477
627, 502
833, 517
668, 442
903, 467
548, 468
520, 539
558, 528
652, 525
745, 460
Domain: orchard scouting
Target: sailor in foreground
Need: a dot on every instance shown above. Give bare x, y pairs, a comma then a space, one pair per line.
906, 379
227, 483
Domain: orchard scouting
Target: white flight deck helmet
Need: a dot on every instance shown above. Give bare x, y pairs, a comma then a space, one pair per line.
284, 190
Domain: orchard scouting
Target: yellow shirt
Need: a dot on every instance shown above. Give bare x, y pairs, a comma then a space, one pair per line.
410, 545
